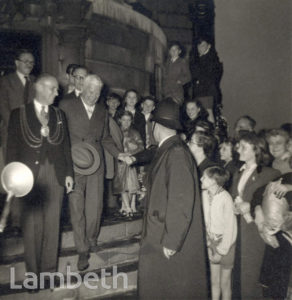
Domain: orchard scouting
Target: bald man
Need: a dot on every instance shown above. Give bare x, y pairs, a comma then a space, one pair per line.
38, 137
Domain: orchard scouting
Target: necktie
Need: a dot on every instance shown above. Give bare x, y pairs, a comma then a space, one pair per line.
44, 118
26, 89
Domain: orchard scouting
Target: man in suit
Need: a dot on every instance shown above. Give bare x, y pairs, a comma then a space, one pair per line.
38, 137
88, 122
16, 89
70, 77
172, 256
79, 75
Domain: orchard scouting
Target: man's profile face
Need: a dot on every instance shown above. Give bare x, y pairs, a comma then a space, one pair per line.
25, 63
46, 91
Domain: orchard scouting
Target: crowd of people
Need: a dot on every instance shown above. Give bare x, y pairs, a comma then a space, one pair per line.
205, 214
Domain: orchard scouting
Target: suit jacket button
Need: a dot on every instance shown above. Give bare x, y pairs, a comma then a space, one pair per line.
37, 162
83, 140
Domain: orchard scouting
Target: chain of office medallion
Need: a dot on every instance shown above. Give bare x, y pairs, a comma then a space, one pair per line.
35, 141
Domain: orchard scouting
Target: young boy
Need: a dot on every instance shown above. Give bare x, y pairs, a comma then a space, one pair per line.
221, 230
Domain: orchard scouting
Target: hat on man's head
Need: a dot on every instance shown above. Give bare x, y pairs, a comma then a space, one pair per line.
85, 158
167, 113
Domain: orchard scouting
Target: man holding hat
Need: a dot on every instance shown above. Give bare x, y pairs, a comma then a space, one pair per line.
172, 261
89, 132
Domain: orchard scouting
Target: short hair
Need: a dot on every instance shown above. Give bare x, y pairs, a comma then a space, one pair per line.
276, 132
43, 77
206, 125
219, 174
80, 67
114, 96
126, 113
151, 98
251, 121
203, 112
21, 51
259, 145
92, 78
207, 142
70, 68
176, 43
288, 128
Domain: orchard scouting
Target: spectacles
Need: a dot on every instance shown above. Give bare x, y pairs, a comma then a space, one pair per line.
27, 62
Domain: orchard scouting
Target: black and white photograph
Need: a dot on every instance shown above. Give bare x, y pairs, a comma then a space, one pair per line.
145, 149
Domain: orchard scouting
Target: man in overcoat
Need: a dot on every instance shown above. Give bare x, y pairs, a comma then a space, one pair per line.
39, 138
172, 256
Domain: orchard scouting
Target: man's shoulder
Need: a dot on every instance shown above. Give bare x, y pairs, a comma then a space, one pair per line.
11, 77
68, 102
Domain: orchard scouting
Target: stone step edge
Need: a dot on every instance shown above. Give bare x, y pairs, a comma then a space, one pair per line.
133, 292
126, 267
67, 229
72, 251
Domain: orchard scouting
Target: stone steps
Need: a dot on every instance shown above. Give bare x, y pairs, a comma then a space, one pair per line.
118, 245
124, 289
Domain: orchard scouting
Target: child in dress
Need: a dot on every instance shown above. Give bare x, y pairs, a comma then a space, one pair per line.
127, 178
221, 230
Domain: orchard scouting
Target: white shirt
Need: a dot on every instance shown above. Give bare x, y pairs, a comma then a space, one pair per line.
38, 106
147, 116
21, 77
77, 93
166, 138
220, 219
244, 177
89, 109
174, 59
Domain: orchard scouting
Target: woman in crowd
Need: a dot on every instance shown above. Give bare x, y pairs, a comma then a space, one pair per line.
176, 74
113, 102
229, 159
130, 104
202, 147
250, 247
126, 182
192, 113
221, 230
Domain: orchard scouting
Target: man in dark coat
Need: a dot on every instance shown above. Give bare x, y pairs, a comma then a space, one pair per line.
38, 137
88, 122
176, 74
172, 257
16, 89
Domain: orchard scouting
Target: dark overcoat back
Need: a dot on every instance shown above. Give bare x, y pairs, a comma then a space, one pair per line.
173, 219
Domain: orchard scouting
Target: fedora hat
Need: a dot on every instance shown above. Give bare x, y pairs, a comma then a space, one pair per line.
167, 113
86, 159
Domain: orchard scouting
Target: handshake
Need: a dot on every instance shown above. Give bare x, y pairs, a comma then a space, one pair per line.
127, 158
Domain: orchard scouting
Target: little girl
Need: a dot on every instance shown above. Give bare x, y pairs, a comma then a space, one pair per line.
126, 182
221, 230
